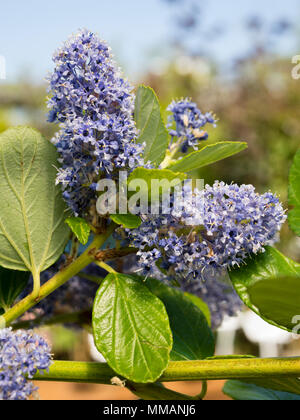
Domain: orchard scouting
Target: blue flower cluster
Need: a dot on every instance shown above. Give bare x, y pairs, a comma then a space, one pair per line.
231, 223
193, 245
189, 123
93, 104
22, 355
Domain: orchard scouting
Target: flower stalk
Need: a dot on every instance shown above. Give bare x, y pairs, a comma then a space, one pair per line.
57, 281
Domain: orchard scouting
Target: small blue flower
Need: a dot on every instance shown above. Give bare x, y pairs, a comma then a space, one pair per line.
189, 122
22, 355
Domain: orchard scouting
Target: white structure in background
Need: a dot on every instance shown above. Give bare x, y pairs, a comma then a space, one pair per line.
268, 338
226, 336
2, 68
95, 355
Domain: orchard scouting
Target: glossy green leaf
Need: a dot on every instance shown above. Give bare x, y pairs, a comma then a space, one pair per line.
290, 385
12, 284
208, 155
193, 339
131, 328
201, 305
129, 221
32, 213
80, 228
294, 195
269, 284
242, 391
168, 178
149, 121
156, 392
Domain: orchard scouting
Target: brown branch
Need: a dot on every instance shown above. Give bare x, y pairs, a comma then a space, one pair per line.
112, 254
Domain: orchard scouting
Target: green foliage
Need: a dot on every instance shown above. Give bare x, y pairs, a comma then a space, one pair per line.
201, 305
128, 221
156, 392
269, 284
32, 229
134, 321
193, 339
150, 123
290, 385
131, 328
80, 228
149, 175
294, 195
11, 285
208, 155
242, 391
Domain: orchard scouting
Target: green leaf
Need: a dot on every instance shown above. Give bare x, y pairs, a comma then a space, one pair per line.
294, 195
193, 339
208, 155
32, 230
294, 220
242, 391
269, 284
156, 392
148, 175
150, 123
131, 329
129, 221
201, 305
290, 385
80, 228
12, 283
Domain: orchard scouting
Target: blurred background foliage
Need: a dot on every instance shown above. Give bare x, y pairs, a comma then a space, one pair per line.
254, 97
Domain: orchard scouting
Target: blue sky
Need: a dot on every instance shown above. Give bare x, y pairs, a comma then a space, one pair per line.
136, 29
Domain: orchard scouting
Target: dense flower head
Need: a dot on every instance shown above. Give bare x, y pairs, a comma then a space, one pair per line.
230, 223
93, 104
22, 355
189, 122
226, 224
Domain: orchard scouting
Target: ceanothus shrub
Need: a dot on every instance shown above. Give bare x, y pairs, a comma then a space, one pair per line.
152, 285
